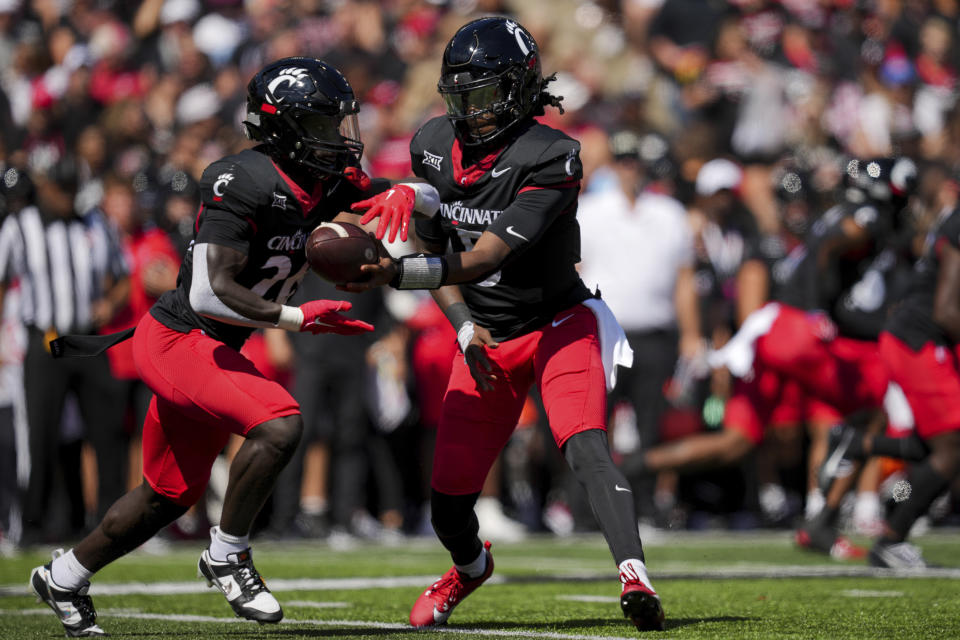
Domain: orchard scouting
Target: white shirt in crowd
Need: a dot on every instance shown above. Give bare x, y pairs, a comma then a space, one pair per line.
632, 252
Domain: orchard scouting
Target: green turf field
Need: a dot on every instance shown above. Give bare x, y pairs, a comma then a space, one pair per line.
713, 585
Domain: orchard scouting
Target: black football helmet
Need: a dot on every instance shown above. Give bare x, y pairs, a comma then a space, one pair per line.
884, 181
305, 112
490, 79
886, 184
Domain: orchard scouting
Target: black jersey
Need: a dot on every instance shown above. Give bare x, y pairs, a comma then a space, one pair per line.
854, 287
799, 280
504, 194
784, 254
912, 319
721, 248
249, 204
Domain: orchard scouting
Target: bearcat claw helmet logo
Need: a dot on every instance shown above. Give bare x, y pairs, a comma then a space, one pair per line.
519, 35
287, 79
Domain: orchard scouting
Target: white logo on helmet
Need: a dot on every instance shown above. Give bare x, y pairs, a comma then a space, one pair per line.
513, 27
903, 171
287, 76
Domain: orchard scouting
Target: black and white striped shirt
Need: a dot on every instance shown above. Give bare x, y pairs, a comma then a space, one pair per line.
62, 266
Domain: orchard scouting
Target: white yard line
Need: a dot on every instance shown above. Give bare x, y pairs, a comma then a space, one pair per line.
674, 573
315, 605
589, 598
363, 624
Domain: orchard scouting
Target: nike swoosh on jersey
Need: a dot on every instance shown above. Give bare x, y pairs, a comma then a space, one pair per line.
619, 488
559, 322
514, 233
496, 173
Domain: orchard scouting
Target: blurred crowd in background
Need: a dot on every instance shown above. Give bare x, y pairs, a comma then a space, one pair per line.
760, 103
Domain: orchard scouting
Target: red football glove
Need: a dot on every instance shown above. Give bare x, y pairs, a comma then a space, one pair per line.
357, 178
321, 316
394, 206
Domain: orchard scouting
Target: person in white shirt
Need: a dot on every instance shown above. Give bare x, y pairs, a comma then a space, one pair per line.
637, 247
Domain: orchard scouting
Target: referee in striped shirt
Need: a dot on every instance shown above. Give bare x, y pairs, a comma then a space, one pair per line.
72, 279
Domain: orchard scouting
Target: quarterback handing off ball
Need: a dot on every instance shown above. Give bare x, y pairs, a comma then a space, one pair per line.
336, 250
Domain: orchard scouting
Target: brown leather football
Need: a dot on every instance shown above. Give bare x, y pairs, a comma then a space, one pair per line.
336, 250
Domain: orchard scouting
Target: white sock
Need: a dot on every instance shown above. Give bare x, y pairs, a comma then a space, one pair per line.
634, 570
476, 568
68, 573
815, 503
313, 505
223, 544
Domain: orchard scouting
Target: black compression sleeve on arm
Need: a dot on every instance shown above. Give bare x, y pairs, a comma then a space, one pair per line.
610, 495
458, 313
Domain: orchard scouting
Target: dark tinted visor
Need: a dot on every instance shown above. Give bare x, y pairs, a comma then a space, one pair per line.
320, 127
463, 101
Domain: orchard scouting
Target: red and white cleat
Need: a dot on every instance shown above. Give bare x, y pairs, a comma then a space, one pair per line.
435, 605
638, 600
827, 541
844, 549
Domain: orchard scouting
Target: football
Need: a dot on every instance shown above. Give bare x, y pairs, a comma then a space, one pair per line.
336, 250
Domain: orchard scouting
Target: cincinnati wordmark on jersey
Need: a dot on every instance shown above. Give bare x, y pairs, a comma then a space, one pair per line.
525, 193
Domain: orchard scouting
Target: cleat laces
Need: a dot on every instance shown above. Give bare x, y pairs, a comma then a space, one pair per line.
452, 586
84, 605
249, 578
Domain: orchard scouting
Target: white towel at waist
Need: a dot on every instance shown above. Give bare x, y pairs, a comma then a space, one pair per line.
738, 354
614, 349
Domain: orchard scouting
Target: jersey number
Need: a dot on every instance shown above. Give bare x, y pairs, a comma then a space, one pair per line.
283, 265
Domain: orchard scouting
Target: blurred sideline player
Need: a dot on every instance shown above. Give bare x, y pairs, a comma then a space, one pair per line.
788, 405
246, 260
865, 271
919, 346
508, 187
816, 338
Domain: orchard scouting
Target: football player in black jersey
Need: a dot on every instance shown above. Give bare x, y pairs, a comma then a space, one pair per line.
920, 346
507, 233
245, 261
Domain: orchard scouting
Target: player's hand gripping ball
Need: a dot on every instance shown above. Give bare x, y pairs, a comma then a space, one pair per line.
336, 250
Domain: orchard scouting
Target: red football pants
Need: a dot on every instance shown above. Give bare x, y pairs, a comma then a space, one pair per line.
930, 379
204, 391
563, 358
844, 373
